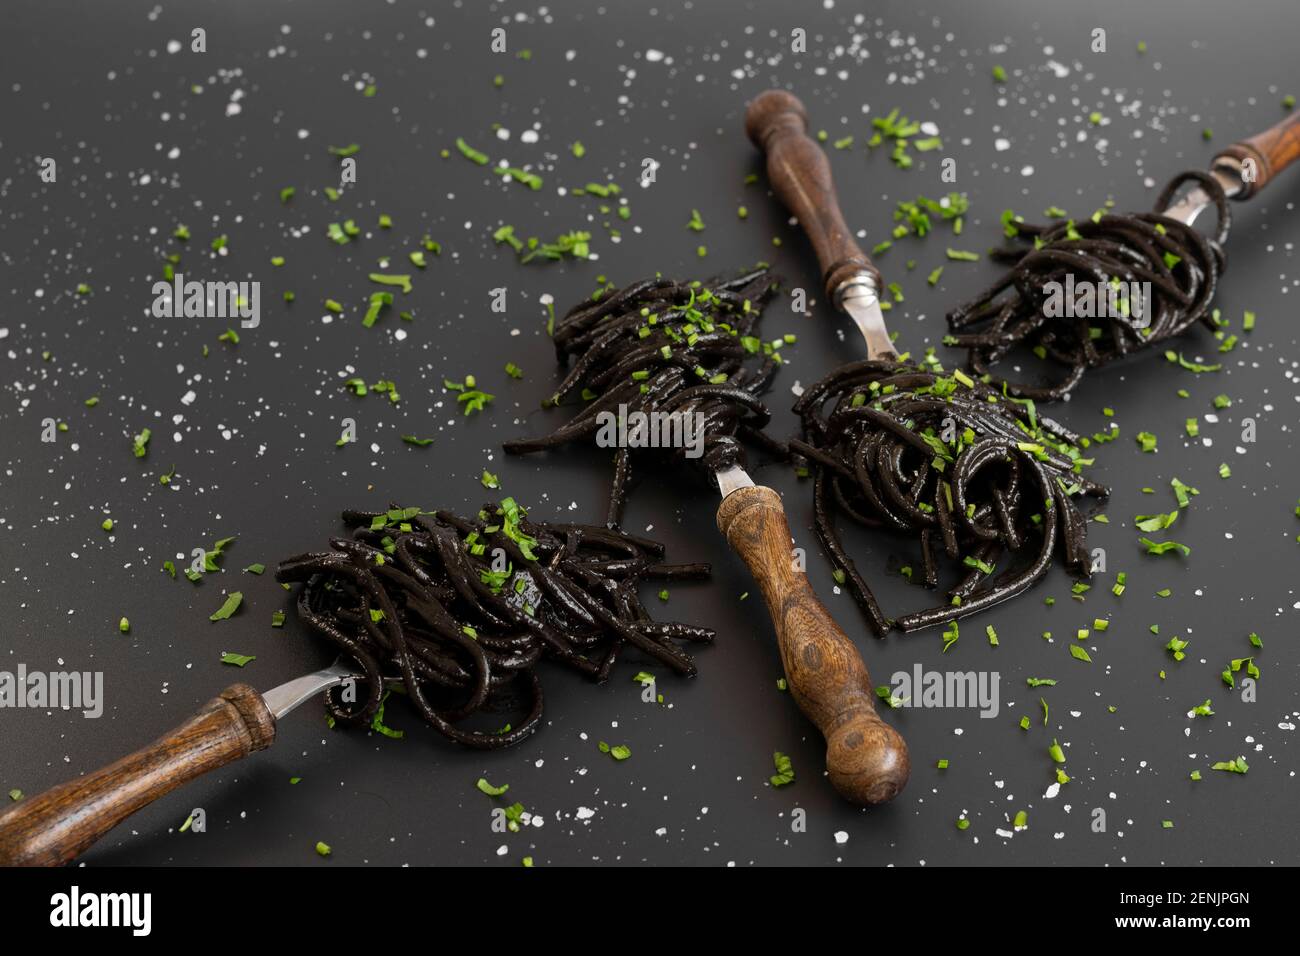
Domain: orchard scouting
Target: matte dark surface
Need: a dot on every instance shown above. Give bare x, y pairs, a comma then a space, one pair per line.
93, 86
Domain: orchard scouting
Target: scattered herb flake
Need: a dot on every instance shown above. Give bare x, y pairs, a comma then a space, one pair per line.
1232, 766
784, 770
140, 443
470, 153
228, 607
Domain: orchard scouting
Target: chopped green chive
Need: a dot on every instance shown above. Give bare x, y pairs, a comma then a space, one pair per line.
470, 153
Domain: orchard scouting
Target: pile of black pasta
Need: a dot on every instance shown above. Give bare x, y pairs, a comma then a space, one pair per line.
1182, 265
977, 476
664, 346
461, 610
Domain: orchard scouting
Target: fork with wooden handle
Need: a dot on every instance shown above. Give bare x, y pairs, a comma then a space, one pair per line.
866, 759
58, 825
800, 175
1244, 168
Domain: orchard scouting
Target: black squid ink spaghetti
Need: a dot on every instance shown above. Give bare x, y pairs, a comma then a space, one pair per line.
463, 610
662, 348
1181, 265
973, 475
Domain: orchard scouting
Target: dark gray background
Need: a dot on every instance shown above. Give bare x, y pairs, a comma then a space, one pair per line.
93, 86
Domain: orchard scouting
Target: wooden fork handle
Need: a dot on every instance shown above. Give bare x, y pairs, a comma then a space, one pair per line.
61, 823
800, 174
866, 758
1261, 158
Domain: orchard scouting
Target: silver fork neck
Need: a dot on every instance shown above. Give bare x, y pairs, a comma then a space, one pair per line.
859, 296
